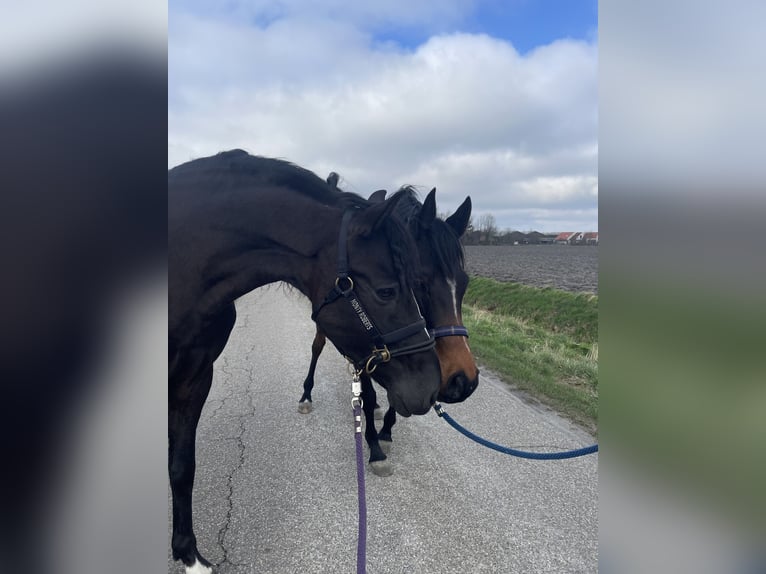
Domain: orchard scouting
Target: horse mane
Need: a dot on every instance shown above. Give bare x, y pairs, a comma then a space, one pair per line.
285, 173
445, 244
249, 169
252, 168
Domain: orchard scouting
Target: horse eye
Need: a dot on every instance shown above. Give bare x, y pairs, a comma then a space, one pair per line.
387, 293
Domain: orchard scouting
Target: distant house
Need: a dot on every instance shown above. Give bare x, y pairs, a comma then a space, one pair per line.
549, 239
577, 238
535, 237
513, 238
478, 237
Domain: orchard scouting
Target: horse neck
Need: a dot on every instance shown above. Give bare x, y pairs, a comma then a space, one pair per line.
288, 238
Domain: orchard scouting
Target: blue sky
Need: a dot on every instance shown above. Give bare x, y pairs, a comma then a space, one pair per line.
496, 99
525, 23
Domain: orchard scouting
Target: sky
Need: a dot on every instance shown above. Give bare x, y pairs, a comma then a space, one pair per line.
493, 99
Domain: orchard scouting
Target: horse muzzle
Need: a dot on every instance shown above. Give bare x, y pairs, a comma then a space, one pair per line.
458, 388
406, 408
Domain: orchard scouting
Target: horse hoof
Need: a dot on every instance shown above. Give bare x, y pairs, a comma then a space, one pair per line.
382, 468
200, 568
378, 414
305, 407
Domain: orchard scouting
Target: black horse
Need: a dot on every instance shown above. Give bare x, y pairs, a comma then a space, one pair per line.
237, 222
440, 295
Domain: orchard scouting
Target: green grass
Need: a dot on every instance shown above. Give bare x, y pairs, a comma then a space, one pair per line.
573, 314
543, 341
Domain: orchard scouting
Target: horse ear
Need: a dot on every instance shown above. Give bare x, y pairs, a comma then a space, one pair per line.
377, 196
370, 220
428, 211
332, 179
458, 221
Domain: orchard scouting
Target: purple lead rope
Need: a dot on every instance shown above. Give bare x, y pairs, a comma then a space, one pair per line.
361, 545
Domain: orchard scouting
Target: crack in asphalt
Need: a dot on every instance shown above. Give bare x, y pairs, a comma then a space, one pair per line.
242, 418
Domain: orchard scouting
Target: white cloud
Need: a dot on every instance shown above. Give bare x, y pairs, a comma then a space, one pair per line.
465, 113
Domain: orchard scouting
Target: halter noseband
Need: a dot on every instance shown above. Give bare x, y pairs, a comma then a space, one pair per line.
344, 287
449, 331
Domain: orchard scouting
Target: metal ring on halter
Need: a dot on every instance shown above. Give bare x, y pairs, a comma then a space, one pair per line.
378, 356
344, 291
367, 368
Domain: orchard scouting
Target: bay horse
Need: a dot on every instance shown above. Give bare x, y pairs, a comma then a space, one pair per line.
440, 294
228, 234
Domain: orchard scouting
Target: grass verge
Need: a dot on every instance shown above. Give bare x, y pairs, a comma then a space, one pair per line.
542, 341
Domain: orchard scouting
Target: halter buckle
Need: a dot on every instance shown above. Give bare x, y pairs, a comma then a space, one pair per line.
385, 354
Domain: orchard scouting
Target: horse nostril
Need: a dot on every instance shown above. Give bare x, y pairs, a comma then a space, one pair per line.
458, 388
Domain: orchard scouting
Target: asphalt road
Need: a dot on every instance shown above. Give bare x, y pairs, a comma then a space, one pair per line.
275, 490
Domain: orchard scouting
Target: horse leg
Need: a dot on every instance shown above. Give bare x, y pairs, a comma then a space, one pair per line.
189, 384
183, 416
378, 462
378, 410
304, 405
388, 422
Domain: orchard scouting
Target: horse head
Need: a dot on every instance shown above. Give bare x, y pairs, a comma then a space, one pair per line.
441, 291
441, 288
371, 314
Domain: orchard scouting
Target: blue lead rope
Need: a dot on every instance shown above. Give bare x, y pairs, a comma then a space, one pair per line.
512, 451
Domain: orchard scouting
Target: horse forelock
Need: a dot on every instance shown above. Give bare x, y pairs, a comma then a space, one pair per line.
409, 206
402, 245
445, 245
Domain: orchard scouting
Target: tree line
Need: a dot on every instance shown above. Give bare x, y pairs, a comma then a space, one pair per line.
484, 231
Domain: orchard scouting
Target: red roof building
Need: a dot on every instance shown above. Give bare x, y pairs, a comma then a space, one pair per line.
591, 238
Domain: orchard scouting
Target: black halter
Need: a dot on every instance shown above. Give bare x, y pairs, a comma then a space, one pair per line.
344, 287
